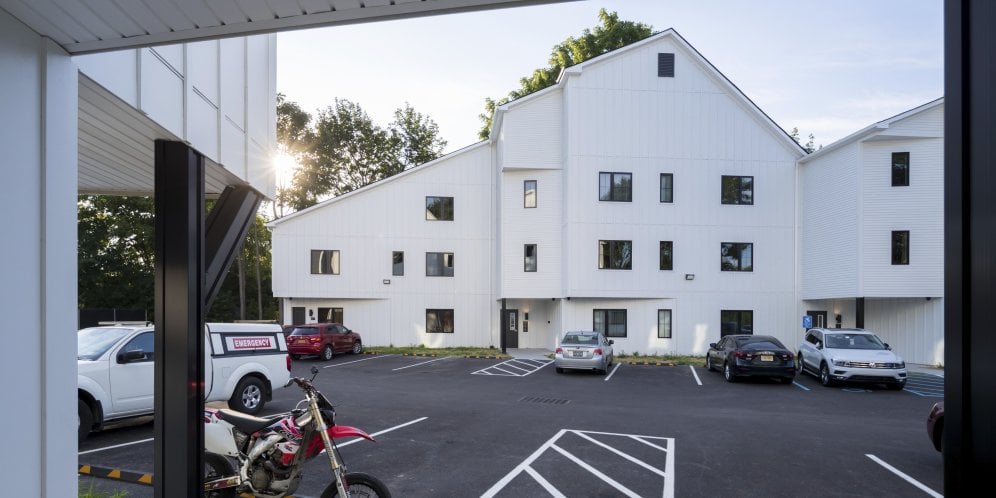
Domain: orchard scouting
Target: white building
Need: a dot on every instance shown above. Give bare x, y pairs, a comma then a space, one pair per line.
643, 195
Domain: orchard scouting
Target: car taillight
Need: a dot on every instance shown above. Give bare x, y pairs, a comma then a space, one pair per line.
288, 363
743, 354
598, 350
787, 356
315, 339
559, 350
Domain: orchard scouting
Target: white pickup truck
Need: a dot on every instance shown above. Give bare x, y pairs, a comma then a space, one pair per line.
243, 363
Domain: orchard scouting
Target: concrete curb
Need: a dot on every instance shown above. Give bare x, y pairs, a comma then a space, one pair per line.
487, 357
420, 354
116, 474
649, 363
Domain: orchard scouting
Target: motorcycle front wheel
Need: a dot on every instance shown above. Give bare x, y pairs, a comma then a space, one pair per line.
360, 484
215, 467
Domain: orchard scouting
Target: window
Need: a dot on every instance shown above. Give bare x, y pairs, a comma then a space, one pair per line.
143, 342
439, 264
439, 321
667, 187
667, 255
665, 65
398, 263
738, 190
330, 315
611, 323
529, 193
530, 257
663, 324
615, 255
324, 262
439, 208
736, 256
901, 247
900, 169
616, 187
736, 322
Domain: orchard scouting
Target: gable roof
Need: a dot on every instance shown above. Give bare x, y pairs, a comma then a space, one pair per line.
873, 129
671, 33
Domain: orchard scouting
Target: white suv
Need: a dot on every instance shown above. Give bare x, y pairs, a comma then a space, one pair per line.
850, 355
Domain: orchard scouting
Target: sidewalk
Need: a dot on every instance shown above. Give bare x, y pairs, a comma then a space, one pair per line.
927, 369
529, 353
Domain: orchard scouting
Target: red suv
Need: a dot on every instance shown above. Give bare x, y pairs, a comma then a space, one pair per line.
322, 339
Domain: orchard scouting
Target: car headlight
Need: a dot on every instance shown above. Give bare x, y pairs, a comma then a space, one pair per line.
901, 364
840, 363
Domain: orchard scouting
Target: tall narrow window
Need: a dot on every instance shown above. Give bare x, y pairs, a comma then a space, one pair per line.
612, 323
325, 262
663, 324
530, 257
439, 208
398, 263
736, 256
615, 255
900, 169
667, 255
667, 187
439, 264
615, 187
665, 65
738, 190
529, 193
901, 247
736, 322
439, 321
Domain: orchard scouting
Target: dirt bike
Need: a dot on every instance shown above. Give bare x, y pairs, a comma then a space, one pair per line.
271, 451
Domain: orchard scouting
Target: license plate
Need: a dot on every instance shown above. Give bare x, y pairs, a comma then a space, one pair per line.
579, 354
767, 357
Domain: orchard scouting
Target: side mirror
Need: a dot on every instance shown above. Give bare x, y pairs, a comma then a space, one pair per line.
130, 356
712, 345
819, 345
887, 346
611, 342
314, 370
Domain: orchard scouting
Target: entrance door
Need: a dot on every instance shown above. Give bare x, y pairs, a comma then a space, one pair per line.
512, 330
819, 318
297, 315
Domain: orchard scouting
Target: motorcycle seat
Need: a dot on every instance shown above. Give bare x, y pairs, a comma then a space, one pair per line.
245, 423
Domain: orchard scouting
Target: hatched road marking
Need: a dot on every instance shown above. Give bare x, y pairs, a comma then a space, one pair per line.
514, 368
923, 384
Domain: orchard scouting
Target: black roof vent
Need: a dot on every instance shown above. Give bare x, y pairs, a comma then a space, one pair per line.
665, 65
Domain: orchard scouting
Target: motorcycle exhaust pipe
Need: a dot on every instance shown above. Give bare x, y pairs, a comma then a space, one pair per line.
263, 446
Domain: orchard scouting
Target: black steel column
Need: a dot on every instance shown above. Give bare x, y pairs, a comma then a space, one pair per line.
969, 236
179, 320
859, 312
227, 224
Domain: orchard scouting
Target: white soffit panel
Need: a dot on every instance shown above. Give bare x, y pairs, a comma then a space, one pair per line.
85, 26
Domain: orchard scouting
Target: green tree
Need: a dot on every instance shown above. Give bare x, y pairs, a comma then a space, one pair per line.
809, 146
610, 35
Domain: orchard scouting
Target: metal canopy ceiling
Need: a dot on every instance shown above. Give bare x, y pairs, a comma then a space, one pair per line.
85, 26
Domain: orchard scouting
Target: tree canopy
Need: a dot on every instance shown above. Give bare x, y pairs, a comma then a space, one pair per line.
810, 146
610, 35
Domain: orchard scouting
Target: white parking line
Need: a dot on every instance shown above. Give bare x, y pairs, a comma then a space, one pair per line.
417, 364
800, 386
695, 374
115, 446
905, 477
357, 361
385, 431
607, 377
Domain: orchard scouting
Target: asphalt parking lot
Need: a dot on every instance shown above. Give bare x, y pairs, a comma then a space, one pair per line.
467, 427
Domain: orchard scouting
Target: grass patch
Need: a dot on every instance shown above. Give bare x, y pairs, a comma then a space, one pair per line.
698, 361
89, 492
424, 351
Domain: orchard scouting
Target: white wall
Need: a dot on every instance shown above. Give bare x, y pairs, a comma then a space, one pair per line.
38, 134
531, 133
914, 327
541, 225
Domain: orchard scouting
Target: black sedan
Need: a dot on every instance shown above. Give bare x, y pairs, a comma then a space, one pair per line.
751, 356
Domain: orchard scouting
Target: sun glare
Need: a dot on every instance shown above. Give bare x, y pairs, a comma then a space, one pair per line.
283, 167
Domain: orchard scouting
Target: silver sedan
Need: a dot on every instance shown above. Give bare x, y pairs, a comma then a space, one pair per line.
583, 350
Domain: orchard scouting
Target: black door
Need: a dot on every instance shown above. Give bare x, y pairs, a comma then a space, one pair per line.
512, 329
819, 318
297, 315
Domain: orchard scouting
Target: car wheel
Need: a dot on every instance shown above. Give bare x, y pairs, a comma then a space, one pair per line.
248, 396
295, 356
327, 352
825, 375
801, 366
357, 347
560, 370
709, 362
728, 373
84, 422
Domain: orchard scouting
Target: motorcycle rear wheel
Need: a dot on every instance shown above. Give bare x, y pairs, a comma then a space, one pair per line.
361, 485
215, 467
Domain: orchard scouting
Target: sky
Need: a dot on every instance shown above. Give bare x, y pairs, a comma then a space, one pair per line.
829, 68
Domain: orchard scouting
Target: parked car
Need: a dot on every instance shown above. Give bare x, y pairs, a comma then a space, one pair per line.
751, 356
323, 340
850, 355
935, 425
583, 350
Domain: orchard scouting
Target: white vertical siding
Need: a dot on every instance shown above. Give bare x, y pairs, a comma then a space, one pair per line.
540, 225
914, 327
531, 133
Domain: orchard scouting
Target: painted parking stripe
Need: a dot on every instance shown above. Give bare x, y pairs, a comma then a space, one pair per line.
514, 368
357, 361
122, 445
607, 377
417, 364
800, 386
385, 431
905, 477
697, 380
608, 480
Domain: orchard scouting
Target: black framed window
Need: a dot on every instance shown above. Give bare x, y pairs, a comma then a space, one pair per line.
736, 256
667, 255
330, 315
901, 247
439, 208
324, 262
667, 187
615, 254
736, 322
439, 264
529, 193
611, 323
398, 263
439, 321
738, 190
529, 257
663, 324
615, 187
900, 169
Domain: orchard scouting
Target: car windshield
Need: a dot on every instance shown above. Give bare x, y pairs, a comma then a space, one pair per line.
853, 341
761, 344
93, 342
305, 331
580, 339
